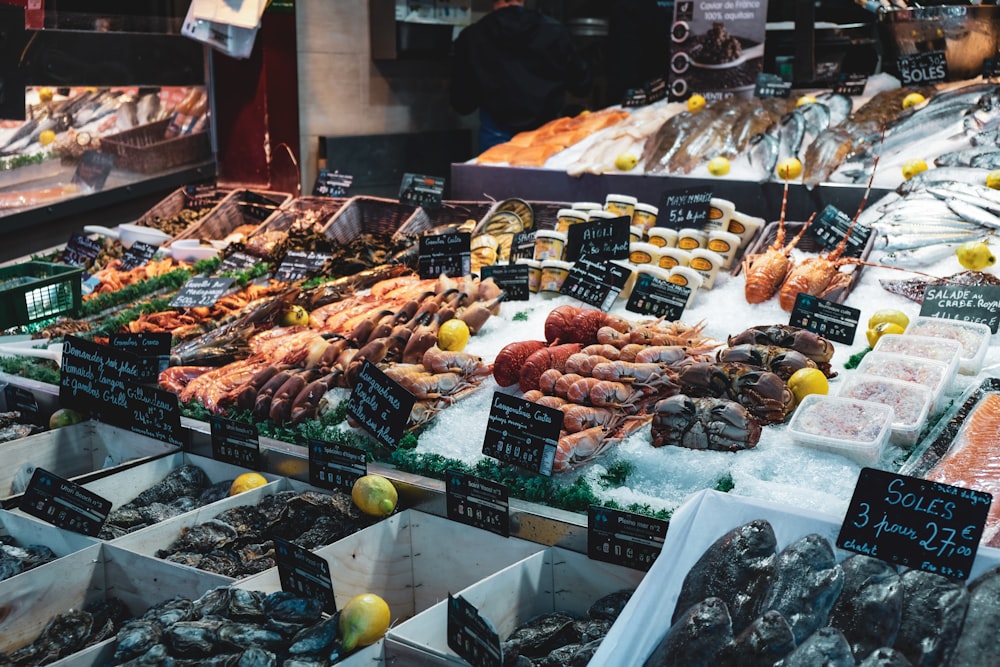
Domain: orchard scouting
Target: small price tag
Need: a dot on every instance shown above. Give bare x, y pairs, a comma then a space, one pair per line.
22, 400
608, 239
522, 433
771, 85
201, 291
421, 190
922, 68
523, 246
304, 573
830, 227
153, 350
234, 442
477, 502
979, 303
595, 283
852, 84
334, 466
684, 207
64, 504
257, 206
826, 318
236, 262
300, 264
80, 249
138, 254
471, 636
659, 298
380, 405
915, 523
511, 278
624, 538
332, 184
635, 97
449, 254
93, 169
649, 92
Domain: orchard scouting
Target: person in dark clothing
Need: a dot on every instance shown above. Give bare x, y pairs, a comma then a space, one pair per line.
514, 65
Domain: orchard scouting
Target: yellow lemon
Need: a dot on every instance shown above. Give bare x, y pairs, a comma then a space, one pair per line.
696, 103
453, 335
993, 179
912, 99
789, 169
807, 381
913, 167
975, 255
46, 137
890, 315
374, 495
245, 482
718, 166
294, 316
45, 94
805, 99
363, 621
880, 330
626, 162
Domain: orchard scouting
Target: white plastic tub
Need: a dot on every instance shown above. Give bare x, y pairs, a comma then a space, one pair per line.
974, 338
935, 375
910, 403
856, 429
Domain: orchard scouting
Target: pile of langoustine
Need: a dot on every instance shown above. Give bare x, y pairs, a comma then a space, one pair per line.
289, 369
609, 376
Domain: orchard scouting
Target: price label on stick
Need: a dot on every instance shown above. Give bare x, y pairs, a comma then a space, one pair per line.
304, 573
831, 226
152, 348
449, 254
332, 184
624, 538
234, 442
596, 283
826, 318
771, 85
335, 466
64, 504
477, 502
915, 523
922, 68
607, 239
23, 401
852, 84
81, 249
138, 254
238, 261
471, 636
522, 433
380, 405
300, 264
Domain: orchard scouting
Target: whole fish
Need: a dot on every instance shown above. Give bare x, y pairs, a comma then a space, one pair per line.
943, 174
961, 158
973, 213
704, 141
839, 106
791, 131
807, 581
986, 160
737, 568
869, 608
885, 657
764, 642
975, 193
933, 610
817, 117
749, 124
913, 288
763, 154
664, 142
697, 637
897, 243
824, 155
919, 257
979, 642
826, 647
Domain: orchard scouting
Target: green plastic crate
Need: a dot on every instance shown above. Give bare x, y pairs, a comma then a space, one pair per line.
33, 291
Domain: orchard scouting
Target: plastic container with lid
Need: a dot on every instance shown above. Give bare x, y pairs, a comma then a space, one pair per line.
724, 243
935, 375
910, 403
690, 238
664, 237
567, 217
928, 347
744, 226
671, 257
974, 338
587, 206
719, 213
534, 274
644, 253
620, 205
707, 263
554, 273
856, 429
645, 215
549, 244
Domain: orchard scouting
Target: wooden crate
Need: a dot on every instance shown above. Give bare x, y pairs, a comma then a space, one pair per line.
551, 580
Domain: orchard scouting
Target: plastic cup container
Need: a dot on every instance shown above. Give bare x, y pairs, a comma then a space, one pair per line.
636, 233
927, 347
549, 244
671, 257
603, 215
719, 213
534, 274
645, 215
554, 273
744, 226
620, 204
588, 206
935, 375
686, 277
856, 429
662, 236
707, 263
690, 238
644, 253
910, 403
725, 244
567, 217
974, 337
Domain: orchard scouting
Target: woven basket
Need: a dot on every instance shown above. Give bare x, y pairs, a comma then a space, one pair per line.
145, 149
368, 215
239, 208
324, 208
180, 200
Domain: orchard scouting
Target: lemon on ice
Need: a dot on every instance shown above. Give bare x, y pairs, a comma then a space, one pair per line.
374, 495
245, 482
718, 166
807, 381
696, 103
891, 315
294, 316
913, 167
789, 168
453, 335
805, 99
46, 137
912, 99
626, 162
363, 620
880, 329
993, 179
975, 255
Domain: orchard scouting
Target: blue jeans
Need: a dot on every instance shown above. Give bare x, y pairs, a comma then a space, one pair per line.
491, 134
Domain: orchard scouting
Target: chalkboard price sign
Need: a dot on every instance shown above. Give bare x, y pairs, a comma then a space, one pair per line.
471, 636
421, 190
511, 278
335, 466
152, 348
449, 254
234, 442
608, 239
624, 538
477, 502
305, 574
300, 264
201, 291
137, 255
64, 504
684, 207
922, 68
522, 433
979, 303
771, 85
238, 261
915, 523
595, 282
332, 184
826, 318
81, 249
380, 405
23, 401
830, 227
656, 297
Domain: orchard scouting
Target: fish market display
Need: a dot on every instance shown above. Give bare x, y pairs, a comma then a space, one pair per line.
70, 632
914, 288
533, 148
183, 489
16, 559
238, 541
563, 638
869, 608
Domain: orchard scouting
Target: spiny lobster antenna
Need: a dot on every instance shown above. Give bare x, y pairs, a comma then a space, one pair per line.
864, 201
798, 237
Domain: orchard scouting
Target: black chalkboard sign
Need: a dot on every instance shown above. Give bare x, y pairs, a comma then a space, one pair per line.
471, 636
64, 504
235, 442
449, 254
93, 169
624, 538
979, 303
656, 297
826, 318
915, 522
830, 227
380, 405
523, 246
335, 466
522, 433
511, 278
332, 184
684, 207
922, 68
421, 190
152, 412
236, 262
304, 574
477, 502
201, 291
300, 264
771, 85
608, 239
851, 83
596, 283
152, 348
138, 254
81, 249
